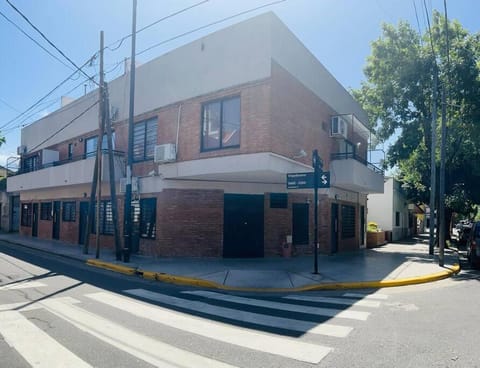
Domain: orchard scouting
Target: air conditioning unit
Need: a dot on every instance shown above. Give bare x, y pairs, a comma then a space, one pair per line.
165, 153
338, 127
123, 185
21, 150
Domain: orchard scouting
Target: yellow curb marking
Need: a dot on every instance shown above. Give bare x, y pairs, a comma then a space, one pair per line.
191, 281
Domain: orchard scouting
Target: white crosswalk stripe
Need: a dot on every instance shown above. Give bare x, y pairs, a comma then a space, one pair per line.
22, 285
23, 335
233, 335
329, 300
283, 306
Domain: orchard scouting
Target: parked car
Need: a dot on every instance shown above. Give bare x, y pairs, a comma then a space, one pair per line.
473, 245
464, 233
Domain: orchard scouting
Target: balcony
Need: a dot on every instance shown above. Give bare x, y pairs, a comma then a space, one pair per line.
351, 172
78, 170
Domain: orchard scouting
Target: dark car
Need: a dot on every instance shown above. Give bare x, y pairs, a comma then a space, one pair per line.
464, 233
473, 245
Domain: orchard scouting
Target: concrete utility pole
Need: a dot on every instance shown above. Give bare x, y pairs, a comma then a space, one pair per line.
317, 169
101, 123
432, 161
127, 231
441, 229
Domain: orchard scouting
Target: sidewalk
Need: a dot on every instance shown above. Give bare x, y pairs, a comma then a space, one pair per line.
394, 264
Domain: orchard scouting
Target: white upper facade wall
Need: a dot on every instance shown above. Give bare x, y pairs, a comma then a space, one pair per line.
235, 55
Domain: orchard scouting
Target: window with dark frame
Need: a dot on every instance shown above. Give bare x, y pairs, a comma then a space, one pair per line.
69, 211
348, 221
92, 142
148, 218
397, 218
221, 124
26, 214
106, 219
70, 151
46, 211
30, 164
144, 139
278, 200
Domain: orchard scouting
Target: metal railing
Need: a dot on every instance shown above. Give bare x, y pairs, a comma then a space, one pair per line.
84, 156
351, 155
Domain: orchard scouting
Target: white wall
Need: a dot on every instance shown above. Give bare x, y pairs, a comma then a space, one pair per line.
380, 206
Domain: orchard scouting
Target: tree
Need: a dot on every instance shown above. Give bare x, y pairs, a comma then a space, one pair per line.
397, 94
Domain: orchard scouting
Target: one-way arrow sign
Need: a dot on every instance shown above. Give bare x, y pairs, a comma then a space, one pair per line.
324, 179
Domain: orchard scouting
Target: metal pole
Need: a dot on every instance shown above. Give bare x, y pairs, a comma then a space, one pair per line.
315, 164
432, 163
442, 182
127, 232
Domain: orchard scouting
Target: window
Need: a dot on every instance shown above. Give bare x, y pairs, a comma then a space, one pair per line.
30, 164
348, 222
70, 151
69, 211
46, 211
221, 124
26, 214
397, 218
278, 200
144, 139
144, 213
106, 219
91, 145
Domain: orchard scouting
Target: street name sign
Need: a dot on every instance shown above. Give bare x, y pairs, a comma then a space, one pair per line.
306, 180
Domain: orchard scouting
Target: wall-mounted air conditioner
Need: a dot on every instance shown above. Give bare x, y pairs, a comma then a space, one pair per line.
165, 153
123, 185
339, 127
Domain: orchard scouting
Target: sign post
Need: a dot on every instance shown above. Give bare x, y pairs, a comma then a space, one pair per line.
317, 169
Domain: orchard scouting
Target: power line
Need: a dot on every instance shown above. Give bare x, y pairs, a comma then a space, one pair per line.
46, 39
8, 105
418, 22
34, 40
64, 127
211, 24
43, 98
154, 23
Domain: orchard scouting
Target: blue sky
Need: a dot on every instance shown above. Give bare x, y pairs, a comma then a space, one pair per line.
337, 32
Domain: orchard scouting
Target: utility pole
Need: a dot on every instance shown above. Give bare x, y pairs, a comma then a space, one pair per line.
442, 224
101, 123
432, 161
127, 231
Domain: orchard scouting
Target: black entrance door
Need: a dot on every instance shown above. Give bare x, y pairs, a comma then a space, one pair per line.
15, 217
334, 227
35, 220
300, 223
243, 225
56, 220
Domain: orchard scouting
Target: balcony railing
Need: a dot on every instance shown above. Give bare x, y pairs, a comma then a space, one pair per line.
38, 166
351, 155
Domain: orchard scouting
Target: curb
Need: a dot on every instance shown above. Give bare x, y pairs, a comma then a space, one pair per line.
195, 282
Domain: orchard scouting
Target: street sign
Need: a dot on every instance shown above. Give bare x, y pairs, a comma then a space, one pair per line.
300, 180
306, 180
324, 179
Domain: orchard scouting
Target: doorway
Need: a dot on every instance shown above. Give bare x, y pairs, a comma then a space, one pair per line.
243, 226
35, 220
334, 227
56, 220
300, 221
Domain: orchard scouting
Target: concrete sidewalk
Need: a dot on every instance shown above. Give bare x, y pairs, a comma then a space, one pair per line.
393, 264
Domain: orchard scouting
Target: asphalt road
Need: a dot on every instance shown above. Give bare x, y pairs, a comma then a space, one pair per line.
57, 312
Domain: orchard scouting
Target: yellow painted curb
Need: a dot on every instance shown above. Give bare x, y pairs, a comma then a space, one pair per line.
112, 266
191, 281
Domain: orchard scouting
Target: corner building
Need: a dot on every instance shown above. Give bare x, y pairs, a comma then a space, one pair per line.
219, 123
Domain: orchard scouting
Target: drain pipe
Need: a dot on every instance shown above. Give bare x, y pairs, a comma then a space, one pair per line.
179, 114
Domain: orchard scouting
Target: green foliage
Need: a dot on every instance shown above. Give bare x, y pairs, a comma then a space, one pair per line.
397, 94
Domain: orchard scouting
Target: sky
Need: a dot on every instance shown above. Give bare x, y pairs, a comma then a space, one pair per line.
338, 32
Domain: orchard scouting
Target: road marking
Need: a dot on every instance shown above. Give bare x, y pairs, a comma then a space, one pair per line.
35, 346
343, 301
249, 317
22, 285
329, 312
366, 296
143, 347
267, 343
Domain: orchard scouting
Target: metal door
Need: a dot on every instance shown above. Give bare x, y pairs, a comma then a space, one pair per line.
82, 222
243, 225
35, 220
300, 221
334, 227
56, 220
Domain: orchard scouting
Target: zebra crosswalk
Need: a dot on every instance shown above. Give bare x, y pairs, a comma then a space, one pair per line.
298, 327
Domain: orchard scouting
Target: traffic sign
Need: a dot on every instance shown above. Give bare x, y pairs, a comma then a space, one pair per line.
307, 180
300, 180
